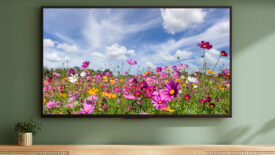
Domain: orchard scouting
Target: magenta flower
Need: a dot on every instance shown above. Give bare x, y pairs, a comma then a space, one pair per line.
205, 45
137, 93
187, 97
72, 71
131, 62
85, 64
88, 109
117, 90
171, 90
158, 69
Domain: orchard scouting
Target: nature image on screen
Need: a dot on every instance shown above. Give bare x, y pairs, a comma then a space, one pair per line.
136, 61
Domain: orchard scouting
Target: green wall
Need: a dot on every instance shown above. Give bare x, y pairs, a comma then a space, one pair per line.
253, 120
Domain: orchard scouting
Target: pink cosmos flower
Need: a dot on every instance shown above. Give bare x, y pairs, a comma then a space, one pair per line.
92, 98
129, 97
87, 109
158, 101
163, 75
85, 64
52, 104
185, 66
107, 74
171, 90
158, 69
131, 62
56, 75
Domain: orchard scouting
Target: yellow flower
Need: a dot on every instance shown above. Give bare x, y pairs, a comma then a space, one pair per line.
44, 100
99, 110
92, 91
104, 94
113, 81
156, 74
184, 85
216, 75
210, 72
117, 106
111, 95
177, 80
105, 78
168, 109
168, 70
62, 94
146, 73
166, 81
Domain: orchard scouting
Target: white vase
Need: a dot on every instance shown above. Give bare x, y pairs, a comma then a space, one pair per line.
24, 139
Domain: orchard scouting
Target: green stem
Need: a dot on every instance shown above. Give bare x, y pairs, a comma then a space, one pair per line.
216, 63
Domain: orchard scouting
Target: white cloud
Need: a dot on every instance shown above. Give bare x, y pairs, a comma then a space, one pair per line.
68, 48
217, 35
97, 54
149, 64
48, 43
169, 57
118, 52
131, 52
53, 57
106, 27
177, 20
183, 54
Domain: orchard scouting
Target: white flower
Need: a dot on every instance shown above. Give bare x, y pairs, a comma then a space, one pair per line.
82, 74
180, 91
195, 86
73, 78
192, 79
182, 77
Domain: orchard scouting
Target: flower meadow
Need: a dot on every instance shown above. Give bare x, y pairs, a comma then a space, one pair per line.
164, 90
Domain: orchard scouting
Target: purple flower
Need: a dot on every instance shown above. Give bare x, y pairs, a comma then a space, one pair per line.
158, 69
131, 62
171, 90
85, 64
88, 109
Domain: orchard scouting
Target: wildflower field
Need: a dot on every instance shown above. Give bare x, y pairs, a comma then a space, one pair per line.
173, 90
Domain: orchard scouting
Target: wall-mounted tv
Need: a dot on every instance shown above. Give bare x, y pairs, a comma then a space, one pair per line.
136, 62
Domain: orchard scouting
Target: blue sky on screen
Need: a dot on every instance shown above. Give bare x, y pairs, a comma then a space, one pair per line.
152, 37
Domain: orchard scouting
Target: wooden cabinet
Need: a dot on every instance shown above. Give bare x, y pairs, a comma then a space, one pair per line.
138, 150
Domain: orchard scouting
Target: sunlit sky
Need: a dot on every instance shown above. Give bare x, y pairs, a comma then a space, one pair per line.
153, 37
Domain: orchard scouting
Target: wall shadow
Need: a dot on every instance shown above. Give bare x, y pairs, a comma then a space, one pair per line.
267, 127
